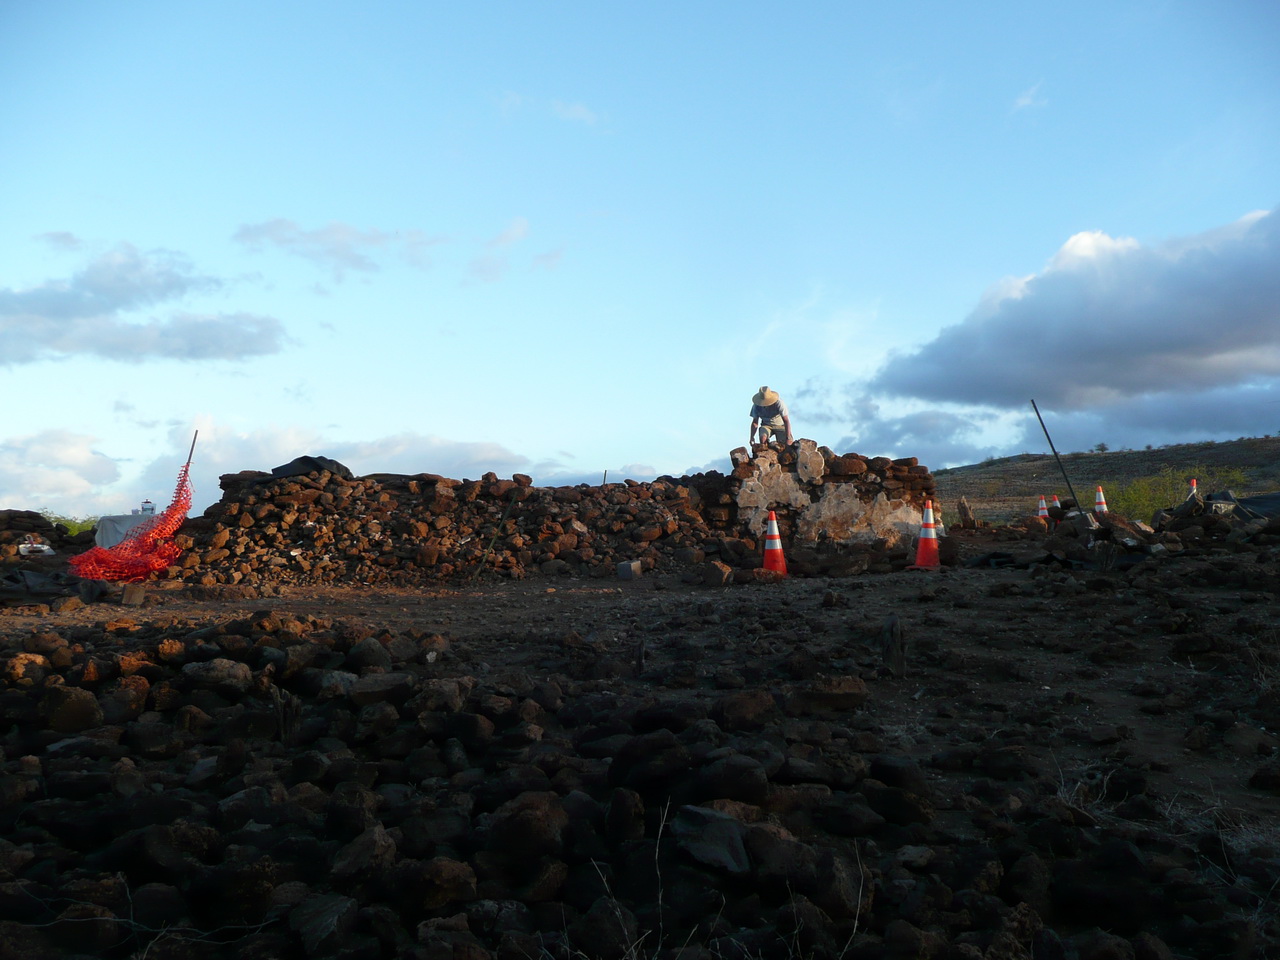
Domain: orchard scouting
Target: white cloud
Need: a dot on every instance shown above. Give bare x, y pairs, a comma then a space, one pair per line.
223, 450
1118, 342
492, 266
61, 240
1091, 247
52, 468
576, 112
419, 453
511, 103
638, 469
121, 279
549, 260
937, 437
1110, 319
721, 465
487, 269
1180, 417
86, 314
338, 248
1029, 98
515, 231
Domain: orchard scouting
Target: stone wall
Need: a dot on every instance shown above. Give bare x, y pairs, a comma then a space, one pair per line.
17, 525
324, 527
821, 496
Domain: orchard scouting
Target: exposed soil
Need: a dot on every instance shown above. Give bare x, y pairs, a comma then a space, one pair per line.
1139, 700
1024, 642
1103, 722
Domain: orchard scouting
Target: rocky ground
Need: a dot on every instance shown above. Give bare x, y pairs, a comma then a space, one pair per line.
1076, 763
415, 717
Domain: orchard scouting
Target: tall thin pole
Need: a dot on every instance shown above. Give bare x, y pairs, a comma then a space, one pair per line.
1079, 506
515, 491
191, 452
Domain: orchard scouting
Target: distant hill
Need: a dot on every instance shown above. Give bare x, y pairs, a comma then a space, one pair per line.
1009, 487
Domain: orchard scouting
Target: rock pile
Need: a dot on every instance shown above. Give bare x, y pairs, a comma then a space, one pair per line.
17, 525
289, 786
822, 496
322, 527
1109, 541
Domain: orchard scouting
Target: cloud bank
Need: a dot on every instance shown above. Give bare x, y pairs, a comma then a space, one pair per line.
222, 450
66, 471
1117, 341
1108, 320
86, 314
52, 468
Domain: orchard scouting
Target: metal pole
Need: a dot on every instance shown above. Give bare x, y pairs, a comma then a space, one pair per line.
496, 533
1079, 505
192, 451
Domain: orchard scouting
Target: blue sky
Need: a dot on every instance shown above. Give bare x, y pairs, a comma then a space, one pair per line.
565, 238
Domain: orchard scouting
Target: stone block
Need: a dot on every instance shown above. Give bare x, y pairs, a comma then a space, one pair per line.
630, 570
717, 574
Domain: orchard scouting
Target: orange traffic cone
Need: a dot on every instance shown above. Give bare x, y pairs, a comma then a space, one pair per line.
1042, 511
1056, 503
1194, 491
1099, 502
927, 548
773, 558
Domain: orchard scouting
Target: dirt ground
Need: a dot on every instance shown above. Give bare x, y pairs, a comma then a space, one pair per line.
1138, 700
1086, 669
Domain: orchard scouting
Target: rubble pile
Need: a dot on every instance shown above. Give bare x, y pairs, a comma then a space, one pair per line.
676, 774
22, 526
1192, 529
322, 527
291, 786
821, 496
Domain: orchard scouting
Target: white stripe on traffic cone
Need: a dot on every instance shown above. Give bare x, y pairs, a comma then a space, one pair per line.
773, 558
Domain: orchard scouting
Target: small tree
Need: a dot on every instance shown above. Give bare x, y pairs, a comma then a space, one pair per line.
1101, 448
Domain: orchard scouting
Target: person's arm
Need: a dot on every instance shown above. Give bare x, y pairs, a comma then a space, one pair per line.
786, 422
751, 438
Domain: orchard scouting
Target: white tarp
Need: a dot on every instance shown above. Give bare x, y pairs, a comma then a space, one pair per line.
111, 530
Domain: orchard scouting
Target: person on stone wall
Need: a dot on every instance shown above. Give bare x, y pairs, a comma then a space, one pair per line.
770, 417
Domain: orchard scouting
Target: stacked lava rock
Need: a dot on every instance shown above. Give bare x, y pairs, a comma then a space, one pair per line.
16, 526
322, 527
282, 786
818, 495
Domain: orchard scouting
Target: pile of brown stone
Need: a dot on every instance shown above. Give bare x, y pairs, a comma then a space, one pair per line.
1084, 539
19, 526
291, 786
324, 528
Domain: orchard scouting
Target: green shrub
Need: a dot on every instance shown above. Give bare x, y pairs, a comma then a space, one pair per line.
991, 488
1140, 498
74, 525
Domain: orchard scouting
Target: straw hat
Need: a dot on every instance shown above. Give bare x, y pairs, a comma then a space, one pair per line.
765, 398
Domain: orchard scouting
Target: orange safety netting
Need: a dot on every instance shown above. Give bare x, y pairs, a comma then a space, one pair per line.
146, 548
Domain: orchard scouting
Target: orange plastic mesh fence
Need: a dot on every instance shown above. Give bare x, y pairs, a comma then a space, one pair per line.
148, 547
